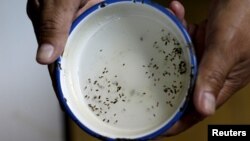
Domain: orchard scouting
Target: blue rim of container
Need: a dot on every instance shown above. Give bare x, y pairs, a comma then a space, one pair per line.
63, 101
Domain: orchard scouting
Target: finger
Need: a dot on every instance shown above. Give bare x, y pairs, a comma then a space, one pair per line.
213, 70
86, 5
55, 21
179, 11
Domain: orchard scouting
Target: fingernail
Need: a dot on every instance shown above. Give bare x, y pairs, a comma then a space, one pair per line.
45, 52
208, 103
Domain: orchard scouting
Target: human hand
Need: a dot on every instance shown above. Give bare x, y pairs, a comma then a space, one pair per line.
222, 44
52, 20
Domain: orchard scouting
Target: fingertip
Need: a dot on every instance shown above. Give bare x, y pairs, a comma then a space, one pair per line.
205, 103
209, 103
178, 9
45, 54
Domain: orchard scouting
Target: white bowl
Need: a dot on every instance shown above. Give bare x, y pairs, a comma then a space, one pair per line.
126, 70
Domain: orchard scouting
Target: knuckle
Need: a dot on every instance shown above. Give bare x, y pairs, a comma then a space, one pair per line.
55, 21
48, 25
215, 78
51, 26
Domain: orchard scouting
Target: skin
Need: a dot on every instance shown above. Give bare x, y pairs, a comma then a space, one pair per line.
221, 43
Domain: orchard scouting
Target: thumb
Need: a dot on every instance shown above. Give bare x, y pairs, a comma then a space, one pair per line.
213, 70
53, 28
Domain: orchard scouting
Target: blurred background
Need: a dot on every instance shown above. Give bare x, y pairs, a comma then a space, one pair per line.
29, 109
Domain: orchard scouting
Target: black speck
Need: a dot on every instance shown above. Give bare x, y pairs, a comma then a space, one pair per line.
118, 88
166, 43
100, 50
85, 87
123, 64
115, 83
154, 66
182, 67
141, 38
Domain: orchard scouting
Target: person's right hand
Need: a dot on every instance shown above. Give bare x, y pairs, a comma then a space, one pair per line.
223, 48
52, 20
